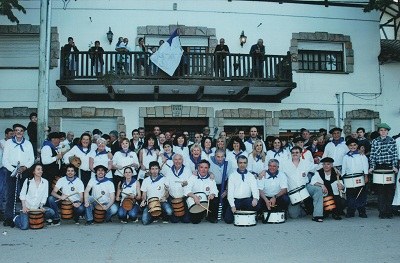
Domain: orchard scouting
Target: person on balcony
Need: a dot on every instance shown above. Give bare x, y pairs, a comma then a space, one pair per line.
142, 59
71, 58
123, 58
220, 54
96, 55
257, 51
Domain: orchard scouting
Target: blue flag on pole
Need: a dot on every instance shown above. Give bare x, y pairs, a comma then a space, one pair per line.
168, 56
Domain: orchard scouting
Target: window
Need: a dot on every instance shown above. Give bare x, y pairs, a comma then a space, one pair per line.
321, 57
318, 60
19, 51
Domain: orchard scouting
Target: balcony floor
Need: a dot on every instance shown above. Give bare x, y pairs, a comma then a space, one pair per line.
176, 90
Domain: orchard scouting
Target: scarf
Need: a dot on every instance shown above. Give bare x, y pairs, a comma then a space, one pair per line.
124, 185
238, 154
250, 141
71, 181
105, 179
350, 153
207, 152
48, 143
277, 152
101, 153
168, 157
242, 174
196, 162
180, 171
271, 175
150, 151
258, 157
81, 148
126, 153
203, 178
302, 153
14, 140
336, 142
159, 176
216, 163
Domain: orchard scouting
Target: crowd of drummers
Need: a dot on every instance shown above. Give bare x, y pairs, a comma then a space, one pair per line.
160, 176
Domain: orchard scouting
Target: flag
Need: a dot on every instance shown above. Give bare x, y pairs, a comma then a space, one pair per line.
168, 56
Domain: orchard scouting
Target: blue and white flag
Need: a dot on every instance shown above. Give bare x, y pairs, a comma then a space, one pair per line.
168, 56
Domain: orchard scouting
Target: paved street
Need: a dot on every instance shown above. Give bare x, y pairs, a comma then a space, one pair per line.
301, 240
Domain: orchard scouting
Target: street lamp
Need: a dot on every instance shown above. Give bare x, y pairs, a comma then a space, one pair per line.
242, 38
110, 35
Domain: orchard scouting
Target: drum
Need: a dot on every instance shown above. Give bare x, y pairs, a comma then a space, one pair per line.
99, 214
329, 203
36, 219
245, 218
353, 180
179, 206
128, 203
75, 161
383, 177
274, 217
298, 194
154, 206
67, 210
193, 207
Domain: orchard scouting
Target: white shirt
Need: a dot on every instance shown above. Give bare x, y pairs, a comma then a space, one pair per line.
165, 166
281, 156
67, 187
147, 158
174, 179
124, 160
184, 152
46, 155
78, 153
205, 185
37, 195
13, 154
154, 189
217, 171
190, 164
101, 191
237, 188
355, 164
127, 189
231, 157
272, 186
296, 176
336, 152
255, 165
101, 159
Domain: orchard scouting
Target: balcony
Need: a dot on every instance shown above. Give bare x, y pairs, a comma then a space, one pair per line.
200, 77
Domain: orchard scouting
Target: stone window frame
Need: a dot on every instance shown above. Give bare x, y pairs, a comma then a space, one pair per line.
248, 113
166, 112
28, 29
363, 114
304, 113
55, 115
322, 37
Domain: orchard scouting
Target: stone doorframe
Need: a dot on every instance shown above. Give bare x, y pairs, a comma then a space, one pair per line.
176, 111
360, 114
55, 115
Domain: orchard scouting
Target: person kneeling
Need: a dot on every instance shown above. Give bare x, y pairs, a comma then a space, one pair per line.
155, 196
33, 196
128, 193
103, 196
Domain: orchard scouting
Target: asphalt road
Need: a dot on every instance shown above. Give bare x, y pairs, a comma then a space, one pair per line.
297, 240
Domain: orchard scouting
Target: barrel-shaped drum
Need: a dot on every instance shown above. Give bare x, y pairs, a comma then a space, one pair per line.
329, 203
154, 206
179, 207
128, 203
36, 219
67, 209
99, 214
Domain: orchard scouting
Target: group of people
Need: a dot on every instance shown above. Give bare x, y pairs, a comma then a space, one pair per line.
168, 176
144, 67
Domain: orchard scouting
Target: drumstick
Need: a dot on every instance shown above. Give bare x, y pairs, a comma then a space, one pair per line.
67, 197
360, 192
97, 201
205, 208
208, 205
